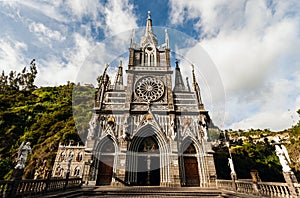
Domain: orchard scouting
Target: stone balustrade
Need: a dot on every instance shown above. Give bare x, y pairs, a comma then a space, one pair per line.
225, 184
274, 189
245, 187
25, 188
29, 187
265, 189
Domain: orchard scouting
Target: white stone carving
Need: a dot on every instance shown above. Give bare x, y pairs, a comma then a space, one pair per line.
22, 155
92, 128
149, 89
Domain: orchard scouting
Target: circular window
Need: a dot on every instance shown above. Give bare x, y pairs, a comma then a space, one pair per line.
149, 48
149, 89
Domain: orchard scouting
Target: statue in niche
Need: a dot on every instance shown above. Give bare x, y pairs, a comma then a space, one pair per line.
203, 127
172, 134
22, 155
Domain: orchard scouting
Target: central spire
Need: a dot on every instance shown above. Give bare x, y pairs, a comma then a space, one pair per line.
149, 23
149, 37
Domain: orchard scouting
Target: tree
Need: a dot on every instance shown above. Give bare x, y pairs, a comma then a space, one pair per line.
20, 81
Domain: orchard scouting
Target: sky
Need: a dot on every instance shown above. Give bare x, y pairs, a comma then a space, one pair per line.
252, 47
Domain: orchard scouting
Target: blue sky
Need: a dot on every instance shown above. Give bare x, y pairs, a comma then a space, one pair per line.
254, 46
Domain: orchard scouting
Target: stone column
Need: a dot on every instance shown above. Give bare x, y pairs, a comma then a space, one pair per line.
174, 165
119, 176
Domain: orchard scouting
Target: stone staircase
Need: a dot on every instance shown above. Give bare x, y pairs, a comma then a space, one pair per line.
128, 192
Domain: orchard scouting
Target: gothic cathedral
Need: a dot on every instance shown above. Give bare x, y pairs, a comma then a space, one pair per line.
147, 132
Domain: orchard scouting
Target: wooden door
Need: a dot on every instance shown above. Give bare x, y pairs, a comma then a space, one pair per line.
105, 170
191, 171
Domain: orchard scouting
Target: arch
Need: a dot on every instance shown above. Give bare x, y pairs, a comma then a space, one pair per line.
71, 155
150, 54
106, 145
104, 157
189, 163
57, 170
77, 171
147, 157
79, 157
62, 156
61, 172
186, 142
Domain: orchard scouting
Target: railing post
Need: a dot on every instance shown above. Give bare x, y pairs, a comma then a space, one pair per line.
47, 181
67, 180
255, 179
290, 179
233, 178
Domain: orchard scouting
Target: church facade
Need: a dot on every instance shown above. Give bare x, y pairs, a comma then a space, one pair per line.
148, 132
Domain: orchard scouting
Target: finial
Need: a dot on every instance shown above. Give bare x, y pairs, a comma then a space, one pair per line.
132, 38
176, 62
193, 75
149, 16
187, 84
120, 65
167, 38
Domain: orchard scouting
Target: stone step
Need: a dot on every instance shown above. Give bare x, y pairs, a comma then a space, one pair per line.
127, 192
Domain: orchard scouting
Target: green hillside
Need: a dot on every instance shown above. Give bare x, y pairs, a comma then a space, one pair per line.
41, 116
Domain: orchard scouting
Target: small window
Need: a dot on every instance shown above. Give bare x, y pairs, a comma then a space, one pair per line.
77, 171
63, 156
79, 157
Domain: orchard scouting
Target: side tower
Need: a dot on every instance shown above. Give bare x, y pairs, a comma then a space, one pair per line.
149, 132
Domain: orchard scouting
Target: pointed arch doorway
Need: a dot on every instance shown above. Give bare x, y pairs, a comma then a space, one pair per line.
105, 163
148, 169
190, 163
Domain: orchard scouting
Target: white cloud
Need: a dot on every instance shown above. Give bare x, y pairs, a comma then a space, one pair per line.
48, 8
11, 54
254, 45
119, 17
42, 31
81, 8
60, 35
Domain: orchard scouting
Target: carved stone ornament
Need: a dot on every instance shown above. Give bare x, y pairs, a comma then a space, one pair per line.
149, 89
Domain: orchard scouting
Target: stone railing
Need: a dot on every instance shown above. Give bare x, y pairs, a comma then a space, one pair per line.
259, 189
29, 187
225, 184
274, 189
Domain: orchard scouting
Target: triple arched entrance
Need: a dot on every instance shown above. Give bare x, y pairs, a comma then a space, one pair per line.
147, 162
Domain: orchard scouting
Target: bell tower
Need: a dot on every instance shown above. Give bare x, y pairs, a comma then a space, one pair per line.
149, 80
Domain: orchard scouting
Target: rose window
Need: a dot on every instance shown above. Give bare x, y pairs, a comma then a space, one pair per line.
149, 88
